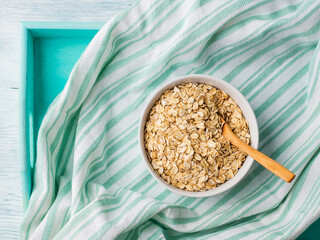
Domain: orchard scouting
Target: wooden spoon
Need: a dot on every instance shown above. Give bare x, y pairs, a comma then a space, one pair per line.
264, 160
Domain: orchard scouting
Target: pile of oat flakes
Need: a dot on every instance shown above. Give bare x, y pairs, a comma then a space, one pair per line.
183, 137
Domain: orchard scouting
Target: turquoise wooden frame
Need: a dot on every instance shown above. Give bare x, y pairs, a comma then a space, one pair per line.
76, 34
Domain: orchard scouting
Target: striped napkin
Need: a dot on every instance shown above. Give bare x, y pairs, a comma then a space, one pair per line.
90, 181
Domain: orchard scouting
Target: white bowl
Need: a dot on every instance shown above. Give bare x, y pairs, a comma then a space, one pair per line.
246, 110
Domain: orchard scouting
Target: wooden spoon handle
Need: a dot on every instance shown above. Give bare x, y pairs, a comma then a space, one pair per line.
264, 160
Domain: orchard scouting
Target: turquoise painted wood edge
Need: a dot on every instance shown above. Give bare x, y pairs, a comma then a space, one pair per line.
27, 141
26, 61
56, 29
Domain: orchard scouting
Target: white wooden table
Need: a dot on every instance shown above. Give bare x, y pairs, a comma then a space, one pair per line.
12, 12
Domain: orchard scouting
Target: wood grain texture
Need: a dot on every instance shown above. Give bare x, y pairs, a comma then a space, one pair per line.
273, 166
12, 13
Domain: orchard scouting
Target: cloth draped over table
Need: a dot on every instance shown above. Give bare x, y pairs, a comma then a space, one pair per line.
90, 181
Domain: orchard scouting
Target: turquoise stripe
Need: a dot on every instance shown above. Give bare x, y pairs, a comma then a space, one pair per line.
120, 63
134, 234
65, 218
285, 111
259, 54
117, 197
51, 215
62, 167
53, 210
231, 76
107, 152
157, 235
107, 186
253, 40
270, 69
136, 187
83, 201
102, 229
102, 211
274, 136
313, 87
225, 32
303, 71
108, 225
192, 28
141, 217
286, 114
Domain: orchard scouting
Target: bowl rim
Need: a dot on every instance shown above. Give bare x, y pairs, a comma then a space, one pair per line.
231, 91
